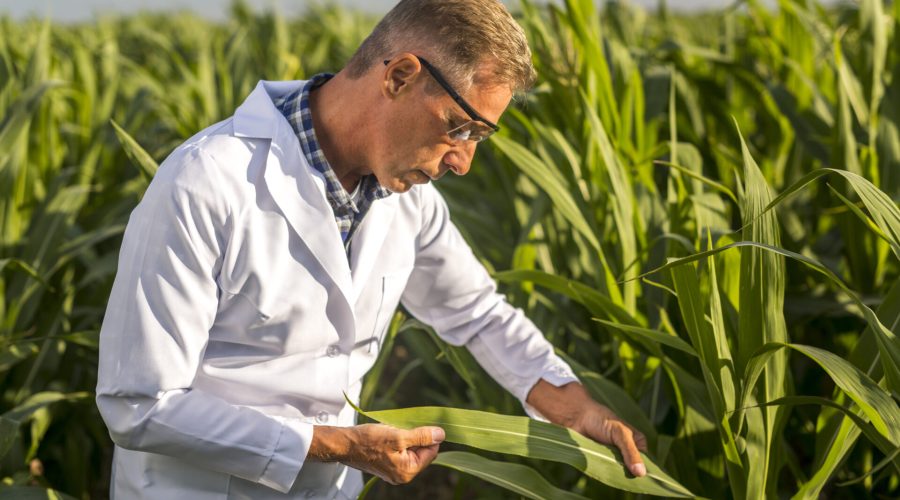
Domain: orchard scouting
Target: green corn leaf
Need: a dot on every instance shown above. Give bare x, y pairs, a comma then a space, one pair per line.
24, 267
15, 353
855, 210
556, 139
888, 342
646, 334
551, 181
596, 302
705, 180
717, 370
41, 54
548, 178
725, 363
517, 478
845, 437
882, 209
135, 152
12, 419
622, 198
886, 216
16, 118
539, 440
849, 84
861, 425
367, 487
872, 19
891, 457
874, 401
761, 318
838, 439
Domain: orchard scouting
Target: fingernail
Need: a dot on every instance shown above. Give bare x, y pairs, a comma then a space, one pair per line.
437, 434
638, 470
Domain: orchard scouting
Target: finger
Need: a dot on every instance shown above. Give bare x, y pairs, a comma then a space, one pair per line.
423, 455
641, 441
624, 440
424, 436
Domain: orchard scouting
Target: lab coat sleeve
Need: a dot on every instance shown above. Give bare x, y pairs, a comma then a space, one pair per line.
163, 303
453, 293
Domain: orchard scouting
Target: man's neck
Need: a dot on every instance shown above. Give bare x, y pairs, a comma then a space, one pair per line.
339, 128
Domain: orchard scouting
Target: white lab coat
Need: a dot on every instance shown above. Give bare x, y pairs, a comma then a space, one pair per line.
236, 322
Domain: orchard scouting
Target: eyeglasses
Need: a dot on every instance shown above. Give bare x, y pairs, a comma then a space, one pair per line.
478, 128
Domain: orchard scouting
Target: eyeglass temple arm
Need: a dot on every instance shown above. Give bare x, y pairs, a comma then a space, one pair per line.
452, 93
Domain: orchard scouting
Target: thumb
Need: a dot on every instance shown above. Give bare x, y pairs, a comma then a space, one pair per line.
425, 436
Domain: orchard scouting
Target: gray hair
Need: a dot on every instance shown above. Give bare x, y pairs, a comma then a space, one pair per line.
458, 35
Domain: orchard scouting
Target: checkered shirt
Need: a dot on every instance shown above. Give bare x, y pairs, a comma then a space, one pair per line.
349, 209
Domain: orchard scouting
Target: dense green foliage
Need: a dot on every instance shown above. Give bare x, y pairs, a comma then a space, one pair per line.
701, 212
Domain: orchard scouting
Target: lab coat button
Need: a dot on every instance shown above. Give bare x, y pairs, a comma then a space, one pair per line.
322, 417
332, 351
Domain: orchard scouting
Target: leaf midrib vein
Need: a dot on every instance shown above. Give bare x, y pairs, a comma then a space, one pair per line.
529, 436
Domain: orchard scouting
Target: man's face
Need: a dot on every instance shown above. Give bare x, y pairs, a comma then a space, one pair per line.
416, 146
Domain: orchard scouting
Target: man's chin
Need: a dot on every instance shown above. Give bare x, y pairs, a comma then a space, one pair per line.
406, 182
399, 186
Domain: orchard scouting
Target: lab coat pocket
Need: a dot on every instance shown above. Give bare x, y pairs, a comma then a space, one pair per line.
392, 286
245, 320
241, 308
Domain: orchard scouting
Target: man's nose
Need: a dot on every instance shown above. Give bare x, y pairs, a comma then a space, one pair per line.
465, 154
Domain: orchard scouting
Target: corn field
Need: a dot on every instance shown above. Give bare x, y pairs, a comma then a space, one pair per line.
699, 210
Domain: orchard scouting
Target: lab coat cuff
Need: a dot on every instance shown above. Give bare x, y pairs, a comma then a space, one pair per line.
558, 374
288, 455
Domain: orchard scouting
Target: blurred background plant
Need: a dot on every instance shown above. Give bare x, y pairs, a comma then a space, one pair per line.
754, 152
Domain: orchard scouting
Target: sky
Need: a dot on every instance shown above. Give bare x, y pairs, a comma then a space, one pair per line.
83, 10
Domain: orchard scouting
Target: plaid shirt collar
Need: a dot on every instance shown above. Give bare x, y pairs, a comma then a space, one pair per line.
349, 210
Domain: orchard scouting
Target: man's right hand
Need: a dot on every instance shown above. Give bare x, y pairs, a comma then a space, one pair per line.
394, 455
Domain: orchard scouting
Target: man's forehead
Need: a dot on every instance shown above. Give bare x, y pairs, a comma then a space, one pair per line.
489, 100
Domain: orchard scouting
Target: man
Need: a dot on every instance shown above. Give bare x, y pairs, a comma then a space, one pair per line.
259, 273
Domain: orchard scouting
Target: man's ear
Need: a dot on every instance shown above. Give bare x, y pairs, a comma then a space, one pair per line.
399, 74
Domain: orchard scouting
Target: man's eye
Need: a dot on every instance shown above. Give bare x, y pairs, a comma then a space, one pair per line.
454, 122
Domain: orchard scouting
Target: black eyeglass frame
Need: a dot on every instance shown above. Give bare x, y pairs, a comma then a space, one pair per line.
438, 77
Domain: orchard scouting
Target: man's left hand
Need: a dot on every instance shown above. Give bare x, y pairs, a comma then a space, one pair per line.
571, 406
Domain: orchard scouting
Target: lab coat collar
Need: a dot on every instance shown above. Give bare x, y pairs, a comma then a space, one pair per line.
303, 203
257, 116
298, 193
288, 174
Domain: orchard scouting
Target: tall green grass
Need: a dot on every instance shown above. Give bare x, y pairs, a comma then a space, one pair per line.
701, 212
